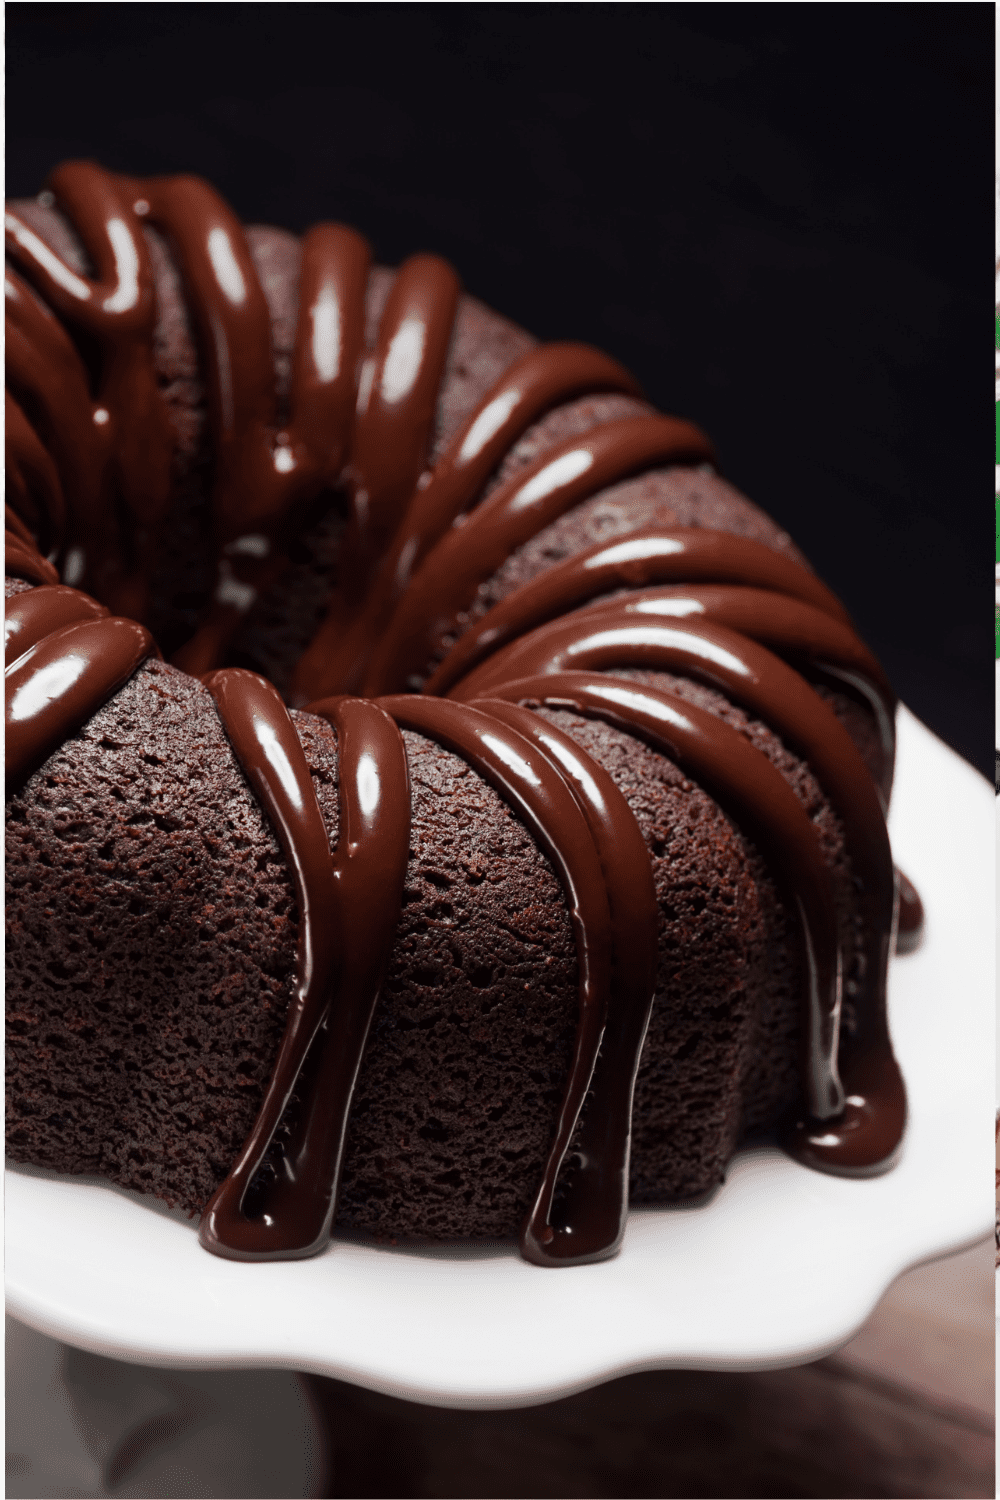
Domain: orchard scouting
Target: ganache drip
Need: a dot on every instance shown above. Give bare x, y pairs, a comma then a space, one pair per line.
712, 607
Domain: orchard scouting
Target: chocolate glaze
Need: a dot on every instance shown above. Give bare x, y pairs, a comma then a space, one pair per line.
397, 402
542, 378
593, 1207
119, 443
48, 377
910, 928
29, 617
517, 511
261, 473
860, 1133
713, 607
32, 481
23, 561
747, 673
644, 557
19, 530
786, 625
348, 910
578, 817
397, 399
61, 681
795, 614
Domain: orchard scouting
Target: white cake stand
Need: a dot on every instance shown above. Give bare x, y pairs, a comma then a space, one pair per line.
781, 1267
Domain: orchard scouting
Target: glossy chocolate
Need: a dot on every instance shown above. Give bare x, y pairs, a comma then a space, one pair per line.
397, 401
861, 1130
712, 607
911, 915
24, 561
29, 617
32, 482
576, 815
518, 510
594, 1201
61, 682
261, 473
348, 909
545, 377
645, 557
119, 443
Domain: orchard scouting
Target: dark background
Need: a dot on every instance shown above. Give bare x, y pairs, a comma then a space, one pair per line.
777, 216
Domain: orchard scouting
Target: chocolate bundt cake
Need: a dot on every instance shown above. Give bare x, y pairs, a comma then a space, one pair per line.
437, 802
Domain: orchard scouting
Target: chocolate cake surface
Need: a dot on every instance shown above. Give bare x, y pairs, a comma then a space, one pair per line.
224, 986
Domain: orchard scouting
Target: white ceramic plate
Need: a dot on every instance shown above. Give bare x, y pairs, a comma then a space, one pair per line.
782, 1266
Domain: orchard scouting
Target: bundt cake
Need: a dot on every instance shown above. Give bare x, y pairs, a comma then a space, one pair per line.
437, 802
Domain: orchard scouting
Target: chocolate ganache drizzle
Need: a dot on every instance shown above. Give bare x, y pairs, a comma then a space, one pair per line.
88, 489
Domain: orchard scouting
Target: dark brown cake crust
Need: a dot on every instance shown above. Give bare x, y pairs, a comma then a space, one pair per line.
153, 921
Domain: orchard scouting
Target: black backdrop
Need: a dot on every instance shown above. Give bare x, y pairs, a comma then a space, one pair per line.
777, 216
